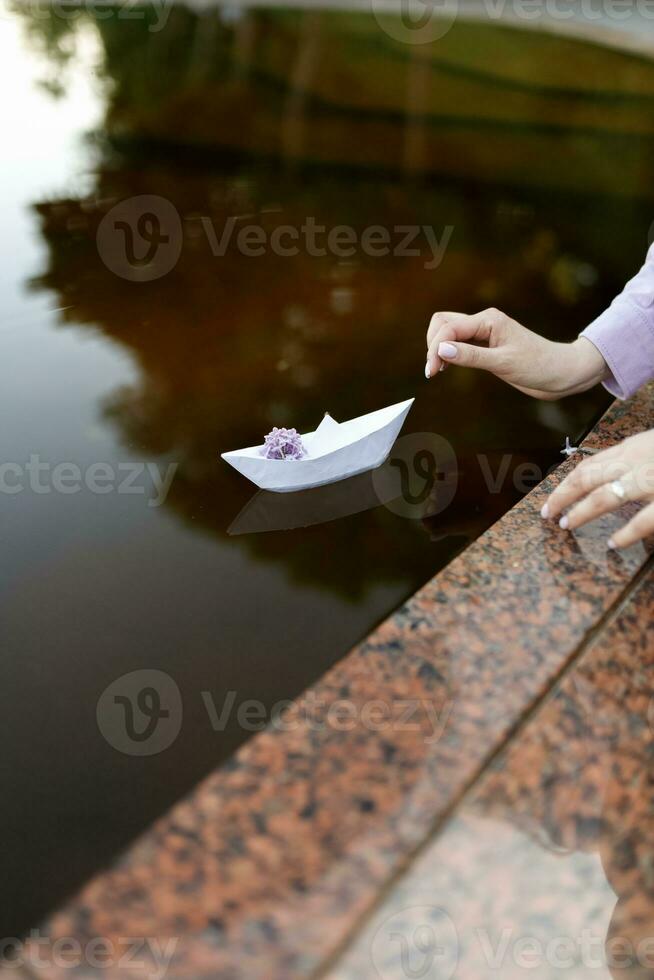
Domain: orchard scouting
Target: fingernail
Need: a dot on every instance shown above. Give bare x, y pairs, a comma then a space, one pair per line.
611, 544
545, 511
447, 350
427, 371
563, 522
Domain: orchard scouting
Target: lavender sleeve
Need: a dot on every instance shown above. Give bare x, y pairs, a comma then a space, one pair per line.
624, 333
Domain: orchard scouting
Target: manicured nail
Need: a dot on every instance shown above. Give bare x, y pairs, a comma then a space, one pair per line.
564, 522
447, 350
427, 371
545, 511
611, 544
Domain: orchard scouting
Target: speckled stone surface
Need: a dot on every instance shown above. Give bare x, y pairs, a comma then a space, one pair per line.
548, 867
267, 868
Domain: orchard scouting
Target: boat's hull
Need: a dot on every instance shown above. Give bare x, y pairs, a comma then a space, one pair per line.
287, 476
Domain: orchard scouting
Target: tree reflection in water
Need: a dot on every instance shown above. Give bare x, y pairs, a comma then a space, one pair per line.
273, 116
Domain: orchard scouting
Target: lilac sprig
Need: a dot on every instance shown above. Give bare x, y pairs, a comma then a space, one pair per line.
283, 444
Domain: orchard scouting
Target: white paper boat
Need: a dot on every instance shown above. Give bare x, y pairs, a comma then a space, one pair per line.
334, 452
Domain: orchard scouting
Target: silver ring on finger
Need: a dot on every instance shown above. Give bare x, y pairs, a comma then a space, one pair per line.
618, 488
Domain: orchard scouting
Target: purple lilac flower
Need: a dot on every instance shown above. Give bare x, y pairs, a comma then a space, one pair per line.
283, 444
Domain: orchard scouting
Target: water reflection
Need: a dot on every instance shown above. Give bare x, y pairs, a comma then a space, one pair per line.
579, 782
483, 102
229, 346
270, 118
546, 868
267, 511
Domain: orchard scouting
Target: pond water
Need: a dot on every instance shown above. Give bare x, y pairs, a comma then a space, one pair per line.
135, 349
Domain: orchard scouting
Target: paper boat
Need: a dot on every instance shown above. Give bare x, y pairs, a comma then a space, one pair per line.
335, 451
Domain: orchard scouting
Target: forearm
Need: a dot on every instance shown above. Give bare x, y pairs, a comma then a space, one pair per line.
624, 334
558, 369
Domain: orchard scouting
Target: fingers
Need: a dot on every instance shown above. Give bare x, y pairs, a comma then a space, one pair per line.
588, 492
445, 327
591, 473
437, 321
434, 362
639, 527
467, 355
465, 327
603, 500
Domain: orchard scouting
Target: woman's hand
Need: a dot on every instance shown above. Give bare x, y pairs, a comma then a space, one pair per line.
529, 362
587, 490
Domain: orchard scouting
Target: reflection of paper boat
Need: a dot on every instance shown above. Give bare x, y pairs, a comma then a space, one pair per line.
278, 512
334, 452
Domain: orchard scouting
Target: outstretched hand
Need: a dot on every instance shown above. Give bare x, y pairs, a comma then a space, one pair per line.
494, 342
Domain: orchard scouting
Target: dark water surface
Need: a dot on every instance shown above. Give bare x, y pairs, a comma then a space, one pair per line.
533, 152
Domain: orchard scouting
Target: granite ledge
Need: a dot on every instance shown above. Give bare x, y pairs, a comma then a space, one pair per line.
554, 846
263, 870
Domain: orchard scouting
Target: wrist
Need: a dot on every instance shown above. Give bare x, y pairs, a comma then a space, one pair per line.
585, 366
